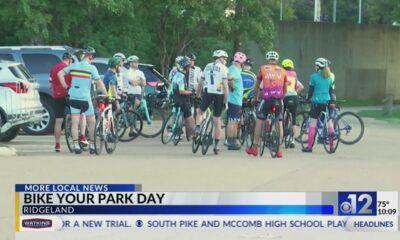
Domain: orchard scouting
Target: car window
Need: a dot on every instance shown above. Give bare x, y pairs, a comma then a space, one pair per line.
7, 57
101, 67
40, 63
17, 73
148, 73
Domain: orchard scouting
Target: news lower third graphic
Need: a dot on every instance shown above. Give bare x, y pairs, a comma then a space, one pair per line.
110, 207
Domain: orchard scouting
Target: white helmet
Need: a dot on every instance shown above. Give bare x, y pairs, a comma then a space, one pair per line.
219, 53
272, 55
119, 56
178, 58
133, 58
322, 62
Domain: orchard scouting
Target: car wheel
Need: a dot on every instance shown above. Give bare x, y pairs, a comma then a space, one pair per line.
47, 124
9, 135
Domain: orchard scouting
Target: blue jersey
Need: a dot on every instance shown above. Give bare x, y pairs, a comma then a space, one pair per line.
110, 78
321, 88
236, 96
178, 83
82, 74
249, 82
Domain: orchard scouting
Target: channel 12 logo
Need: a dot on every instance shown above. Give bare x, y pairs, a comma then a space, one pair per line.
357, 203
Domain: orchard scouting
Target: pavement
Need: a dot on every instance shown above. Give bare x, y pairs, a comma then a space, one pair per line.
372, 164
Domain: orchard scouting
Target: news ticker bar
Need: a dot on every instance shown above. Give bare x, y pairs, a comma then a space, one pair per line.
78, 187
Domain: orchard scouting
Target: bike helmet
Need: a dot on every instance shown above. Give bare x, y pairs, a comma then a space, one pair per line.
272, 55
219, 53
119, 56
248, 62
184, 63
113, 62
191, 56
133, 58
178, 58
288, 63
88, 51
322, 62
67, 55
239, 57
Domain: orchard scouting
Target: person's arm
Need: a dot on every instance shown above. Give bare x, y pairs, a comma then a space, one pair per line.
285, 83
231, 82
226, 90
200, 85
61, 76
114, 91
100, 85
142, 80
257, 86
299, 86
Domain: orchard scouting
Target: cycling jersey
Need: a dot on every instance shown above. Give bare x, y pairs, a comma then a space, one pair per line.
249, 81
178, 83
236, 96
82, 74
58, 89
293, 83
321, 88
194, 77
273, 79
173, 71
134, 74
110, 78
214, 75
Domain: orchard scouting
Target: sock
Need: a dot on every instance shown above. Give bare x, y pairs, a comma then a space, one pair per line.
311, 135
330, 131
216, 142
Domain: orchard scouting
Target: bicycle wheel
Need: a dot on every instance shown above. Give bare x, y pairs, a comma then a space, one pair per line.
166, 133
178, 131
303, 138
153, 126
350, 126
98, 136
330, 140
67, 133
287, 129
111, 138
207, 137
250, 125
263, 139
197, 141
300, 116
132, 127
274, 140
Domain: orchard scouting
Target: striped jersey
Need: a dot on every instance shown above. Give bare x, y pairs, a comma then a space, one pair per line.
82, 73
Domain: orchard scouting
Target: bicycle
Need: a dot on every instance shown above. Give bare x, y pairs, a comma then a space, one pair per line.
350, 125
288, 123
105, 129
330, 141
247, 124
68, 132
129, 122
204, 137
270, 133
173, 127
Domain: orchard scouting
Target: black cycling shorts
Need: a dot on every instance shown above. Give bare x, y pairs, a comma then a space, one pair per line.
216, 99
185, 107
317, 109
265, 108
291, 103
78, 106
60, 104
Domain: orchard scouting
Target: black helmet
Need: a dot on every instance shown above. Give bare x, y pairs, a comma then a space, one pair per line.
248, 62
183, 63
191, 56
67, 55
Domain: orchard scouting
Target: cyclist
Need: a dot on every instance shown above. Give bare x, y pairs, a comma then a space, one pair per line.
293, 87
235, 99
121, 86
82, 74
215, 86
194, 77
60, 101
249, 80
135, 80
111, 82
273, 78
320, 93
182, 93
172, 73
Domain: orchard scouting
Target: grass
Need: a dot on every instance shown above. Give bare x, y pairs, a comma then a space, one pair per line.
378, 114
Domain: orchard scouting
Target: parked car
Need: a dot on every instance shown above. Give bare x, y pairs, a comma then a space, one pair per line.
38, 60
153, 77
19, 99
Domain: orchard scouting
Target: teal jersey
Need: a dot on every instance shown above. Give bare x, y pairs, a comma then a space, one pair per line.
82, 74
236, 96
178, 83
321, 88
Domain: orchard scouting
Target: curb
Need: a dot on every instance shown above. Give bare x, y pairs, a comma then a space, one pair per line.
6, 151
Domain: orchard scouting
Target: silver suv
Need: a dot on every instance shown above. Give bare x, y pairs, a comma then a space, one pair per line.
39, 60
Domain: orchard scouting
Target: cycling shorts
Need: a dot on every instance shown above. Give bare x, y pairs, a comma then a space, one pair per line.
79, 107
216, 99
265, 108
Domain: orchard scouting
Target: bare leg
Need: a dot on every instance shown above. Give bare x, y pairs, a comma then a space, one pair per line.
91, 126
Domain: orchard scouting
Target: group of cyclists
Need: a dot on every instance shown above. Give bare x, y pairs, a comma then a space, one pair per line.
218, 86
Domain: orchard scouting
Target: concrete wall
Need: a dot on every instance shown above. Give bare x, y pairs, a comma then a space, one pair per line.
366, 58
